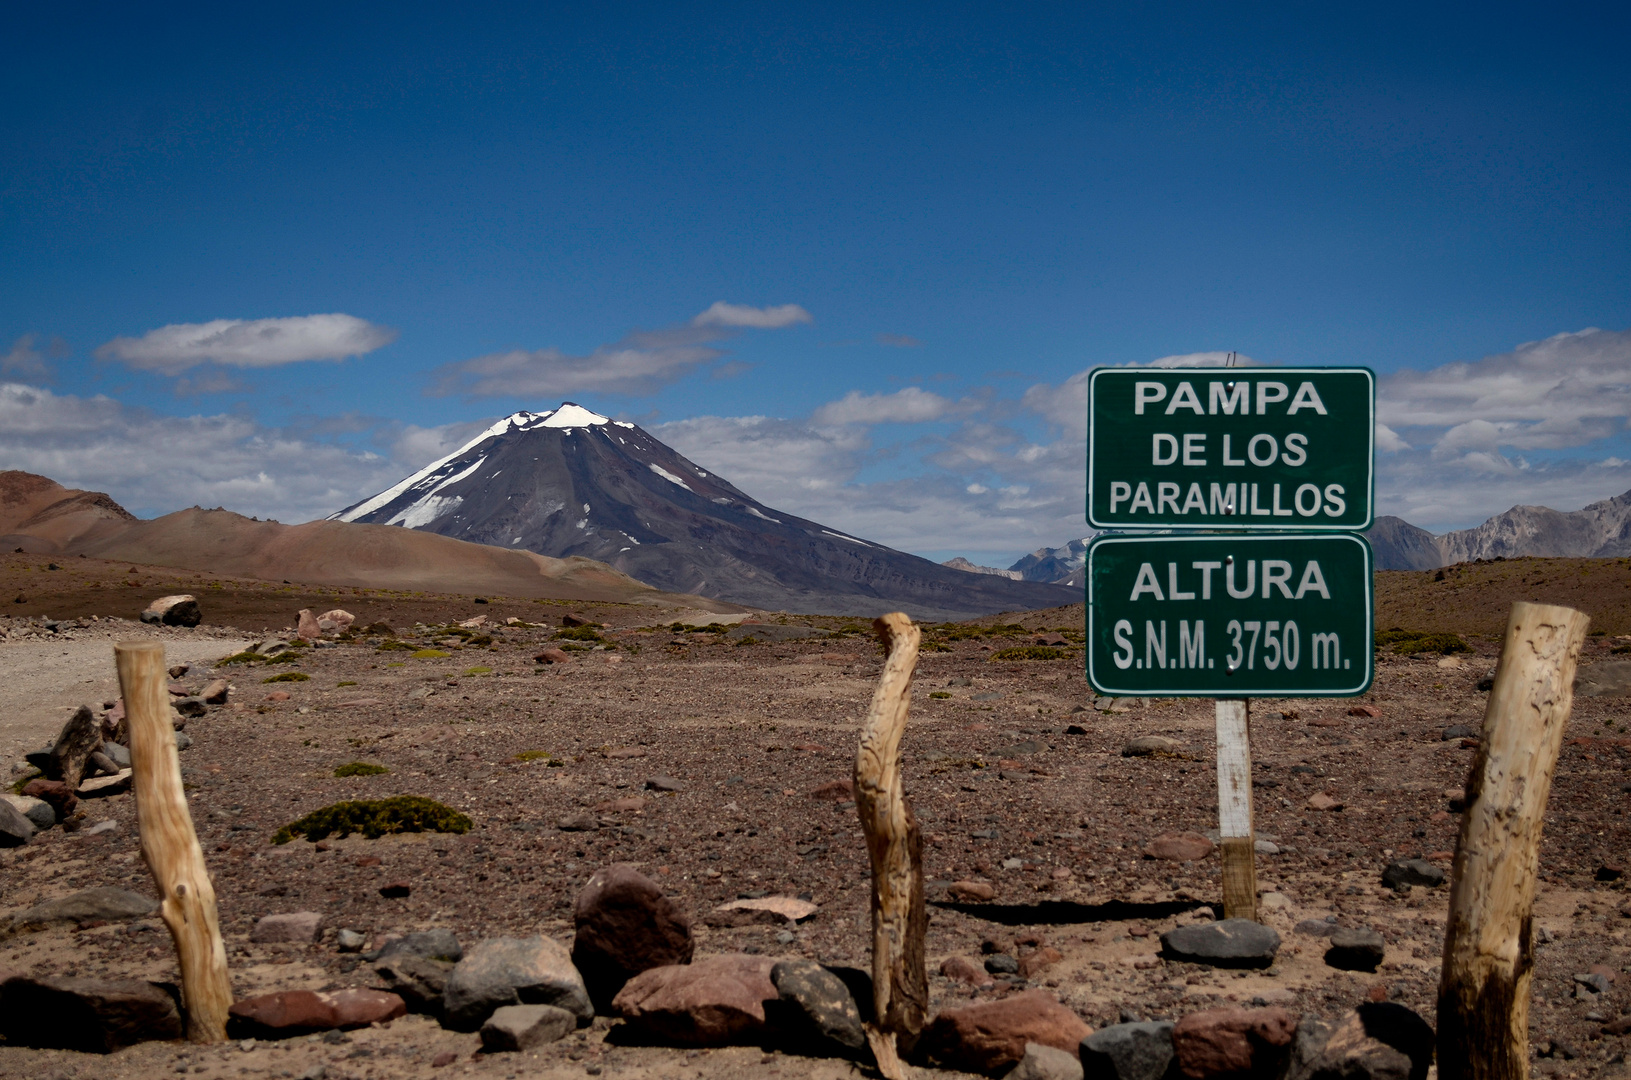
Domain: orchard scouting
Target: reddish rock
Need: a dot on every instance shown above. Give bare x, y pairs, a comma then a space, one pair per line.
216, 692
835, 791
621, 806
625, 925
553, 656
444, 1059
1370, 711
713, 1002
278, 695
58, 794
1217, 1043
570, 620
308, 627
94, 1016
626, 752
1321, 801
1034, 963
1179, 847
962, 969
299, 927
990, 1037
298, 1012
972, 890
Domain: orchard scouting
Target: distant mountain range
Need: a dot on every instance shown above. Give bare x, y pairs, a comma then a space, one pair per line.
1601, 530
570, 482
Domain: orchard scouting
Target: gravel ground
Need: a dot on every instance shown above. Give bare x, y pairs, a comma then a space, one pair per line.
1055, 821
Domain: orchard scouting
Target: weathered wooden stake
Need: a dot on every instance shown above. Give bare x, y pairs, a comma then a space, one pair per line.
900, 980
1483, 996
1236, 843
169, 843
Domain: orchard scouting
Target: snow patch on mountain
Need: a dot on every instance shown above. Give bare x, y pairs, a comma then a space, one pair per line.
670, 477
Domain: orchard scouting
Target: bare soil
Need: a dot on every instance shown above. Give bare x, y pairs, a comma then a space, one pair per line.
1056, 822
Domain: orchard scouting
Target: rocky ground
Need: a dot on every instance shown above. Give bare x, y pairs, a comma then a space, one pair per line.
710, 763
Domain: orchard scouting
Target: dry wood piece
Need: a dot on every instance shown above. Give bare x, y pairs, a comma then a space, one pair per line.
169, 843
1483, 997
900, 979
1235, 843
80, 738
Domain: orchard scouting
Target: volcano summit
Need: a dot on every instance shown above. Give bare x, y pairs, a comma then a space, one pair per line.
573, 482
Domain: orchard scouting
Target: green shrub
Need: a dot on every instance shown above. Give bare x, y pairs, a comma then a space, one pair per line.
289, 676
578, 633
933, 646
533, 755
1030, 652
346, 682
374, 818
1410, 642
477, 671
393, 646
431, 654
247, 657
749, 640
360, 768
940, 694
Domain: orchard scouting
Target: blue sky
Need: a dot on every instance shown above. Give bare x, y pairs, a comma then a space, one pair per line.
920, 226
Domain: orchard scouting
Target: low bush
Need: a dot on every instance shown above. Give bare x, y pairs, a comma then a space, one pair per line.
1410, 642
289, 676
477, 671
374, 818
431, 654
393, 646
578, 633
1030, 652
360, 768
247, 657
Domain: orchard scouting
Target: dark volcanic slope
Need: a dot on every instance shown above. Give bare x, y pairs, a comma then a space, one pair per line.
571, 482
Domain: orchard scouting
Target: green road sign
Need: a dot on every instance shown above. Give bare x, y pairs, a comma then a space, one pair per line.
1289, 449
1229, 616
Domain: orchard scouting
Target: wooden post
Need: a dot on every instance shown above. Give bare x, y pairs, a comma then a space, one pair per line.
1235, 839
1483, 996
900, 981
169, 844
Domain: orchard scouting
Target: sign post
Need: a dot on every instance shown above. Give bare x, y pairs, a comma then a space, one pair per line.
1279, 606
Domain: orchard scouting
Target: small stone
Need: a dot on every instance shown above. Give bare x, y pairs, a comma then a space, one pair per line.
1046, 1063
216, 692
418, 981
438, 944
58, 794
300, 927
444, 1059
1377, 1041
1322, 801
1610, 872
1151, 746
278, 695
1315, 927
664, 783
1139, 1050
835, 791
1355, 949
962, 969
396, 890
1179, 847
578, 823
1231, 943
1457, 731
1002, 964
349, 941
1038, 960
979, 891
180, 610
512, 971
1412, 872
1233, 1041
1369, 711
990, 1037
818, 1009
16, 828
96, 1016
36, 810
513, 1028
190, 707
299, 1012
1592, 983
1265, 847
103, 903
553, 656
714, 1001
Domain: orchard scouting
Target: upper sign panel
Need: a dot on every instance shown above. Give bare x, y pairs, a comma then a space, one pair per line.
1231, 448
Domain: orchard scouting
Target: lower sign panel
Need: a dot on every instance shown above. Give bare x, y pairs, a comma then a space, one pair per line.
1230, 616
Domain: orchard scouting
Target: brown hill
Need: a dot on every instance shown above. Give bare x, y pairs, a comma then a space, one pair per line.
360, 556
39, 515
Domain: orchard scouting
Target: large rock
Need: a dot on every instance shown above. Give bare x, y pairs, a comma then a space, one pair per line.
297, 927
1378, 1041
1412, 872
817, 1011
338, 620
1609, 679
1231, 943
419, 981
15, 827
1355, 949
103, 903
306, 625
512, 971
300, 1012
625, 925
715, 1001
990, 1037
94, 1016
522, 1027
58, 794
1136, 1051
36, 810
1217, 1043
1045, 1063
180, 610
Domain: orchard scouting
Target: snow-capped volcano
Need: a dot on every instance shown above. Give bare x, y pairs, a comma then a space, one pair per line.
572, 482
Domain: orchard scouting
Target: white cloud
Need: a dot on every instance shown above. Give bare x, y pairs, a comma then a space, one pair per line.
641, 363
910, 405
248, 343
23, 361
899, 341
154, 464
1200, 359
745, 315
